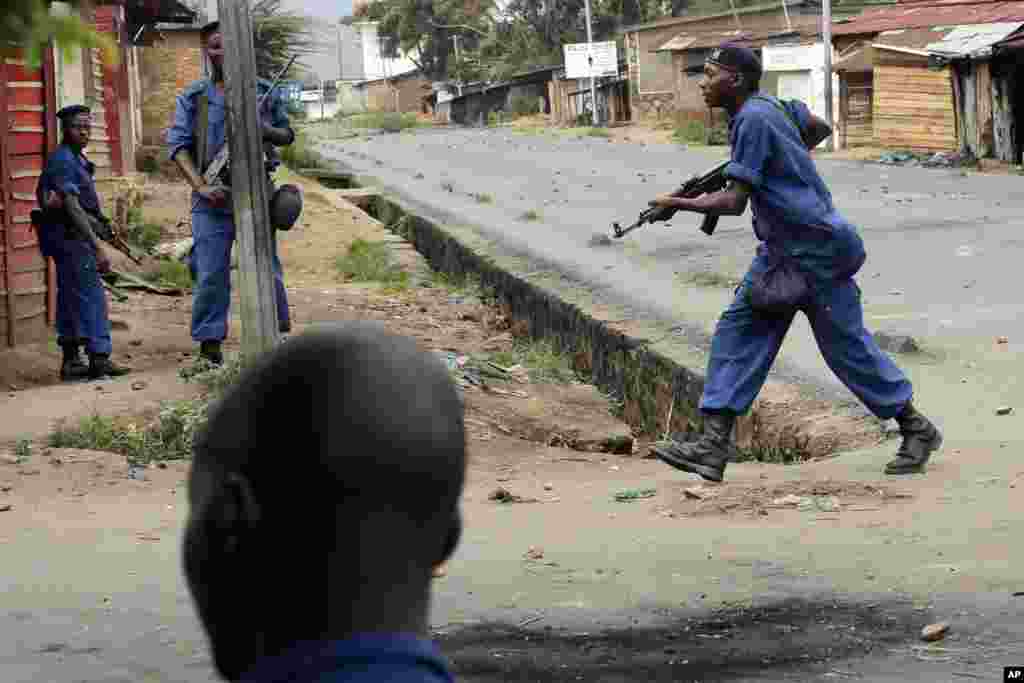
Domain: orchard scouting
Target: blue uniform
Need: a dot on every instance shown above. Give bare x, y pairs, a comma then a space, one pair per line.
81, 302
213, 228
362, 659
793, 213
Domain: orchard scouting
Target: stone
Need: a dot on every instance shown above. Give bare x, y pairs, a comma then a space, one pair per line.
6, 508
599, 240
139, 385
534, 553
1003, 340
896, 343
549, 487
934, 632
1004, 410
791, 500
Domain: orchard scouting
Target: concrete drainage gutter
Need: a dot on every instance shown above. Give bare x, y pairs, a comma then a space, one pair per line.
645, 382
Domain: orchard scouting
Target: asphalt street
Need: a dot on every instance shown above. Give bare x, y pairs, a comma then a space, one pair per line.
943, 247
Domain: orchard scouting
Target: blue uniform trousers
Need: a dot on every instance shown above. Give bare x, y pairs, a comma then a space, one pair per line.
213, 234
746, 343
81, 301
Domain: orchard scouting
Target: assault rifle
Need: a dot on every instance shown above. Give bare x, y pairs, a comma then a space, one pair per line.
710, 181
212, 175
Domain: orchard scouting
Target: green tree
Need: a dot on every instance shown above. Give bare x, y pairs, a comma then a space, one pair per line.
30, 24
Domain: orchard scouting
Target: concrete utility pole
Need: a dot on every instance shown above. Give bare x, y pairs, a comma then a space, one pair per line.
248, 183
826, 36
590, 60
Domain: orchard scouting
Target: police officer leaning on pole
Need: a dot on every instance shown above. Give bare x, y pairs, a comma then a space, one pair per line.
804, 238
67, 198
193, 146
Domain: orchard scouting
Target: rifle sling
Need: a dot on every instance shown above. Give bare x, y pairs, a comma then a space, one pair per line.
203, 129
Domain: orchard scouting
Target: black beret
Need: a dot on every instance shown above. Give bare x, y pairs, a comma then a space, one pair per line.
736, 58
73, 110
209, 28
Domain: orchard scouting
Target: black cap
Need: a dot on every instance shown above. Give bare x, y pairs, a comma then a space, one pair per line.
736, 58
72, 111
209, 28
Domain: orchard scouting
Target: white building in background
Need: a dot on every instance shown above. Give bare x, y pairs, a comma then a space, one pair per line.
798, 72
361, 48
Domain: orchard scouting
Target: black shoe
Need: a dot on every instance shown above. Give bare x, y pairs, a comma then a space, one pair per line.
73, 370
210, 351
708, 455
920, 439
100, 366
72, 367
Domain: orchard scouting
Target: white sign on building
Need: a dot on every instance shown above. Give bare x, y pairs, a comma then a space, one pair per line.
577, 62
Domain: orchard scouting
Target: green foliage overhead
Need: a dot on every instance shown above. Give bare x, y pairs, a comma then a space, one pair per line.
29, 24
277, 35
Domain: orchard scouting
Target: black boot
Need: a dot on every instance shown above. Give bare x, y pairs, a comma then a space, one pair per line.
920, 439
72, 367
210, 351
100, 366
708, 455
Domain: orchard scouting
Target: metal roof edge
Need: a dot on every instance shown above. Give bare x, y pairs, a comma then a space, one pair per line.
754, 9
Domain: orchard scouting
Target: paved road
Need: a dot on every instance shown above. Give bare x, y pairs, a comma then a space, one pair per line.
943, 249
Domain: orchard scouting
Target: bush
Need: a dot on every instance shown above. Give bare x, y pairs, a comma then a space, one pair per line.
524, 105
391, 122
719, 135
370, 262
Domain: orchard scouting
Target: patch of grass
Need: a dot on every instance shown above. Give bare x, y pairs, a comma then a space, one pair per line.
530, 216
595, 132
145, 236
301, 154
387, 121
370, 262
484, 198
541, 359
23, 449
706, 278
169, 436
170, 273
690, 132
777, 455
524, 105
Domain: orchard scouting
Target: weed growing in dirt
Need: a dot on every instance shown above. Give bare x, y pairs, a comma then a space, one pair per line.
170, 273
167, 437
596, 132
529, 216
23, 449
145, 236
370, 262
484, 198
691, 132
778, 455
540, 357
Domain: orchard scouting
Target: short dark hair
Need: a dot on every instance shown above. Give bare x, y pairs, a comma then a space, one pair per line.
365, 419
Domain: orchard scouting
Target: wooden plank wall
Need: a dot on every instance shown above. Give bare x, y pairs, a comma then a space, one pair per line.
860, 130
913, 108
24, 273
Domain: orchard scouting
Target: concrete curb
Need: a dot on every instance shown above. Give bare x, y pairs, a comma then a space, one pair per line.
644, 382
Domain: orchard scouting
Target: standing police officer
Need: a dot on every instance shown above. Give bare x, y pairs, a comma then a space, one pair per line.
197, 134
67, 197
771, 168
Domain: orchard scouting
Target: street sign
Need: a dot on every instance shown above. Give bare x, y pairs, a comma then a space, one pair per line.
606, 62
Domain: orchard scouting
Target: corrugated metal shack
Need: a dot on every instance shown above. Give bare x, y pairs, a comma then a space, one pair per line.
934, 75
570, 98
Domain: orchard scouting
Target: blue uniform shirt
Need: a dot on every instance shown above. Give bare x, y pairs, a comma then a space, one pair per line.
182, 134
66, 173
792, 209
370, 658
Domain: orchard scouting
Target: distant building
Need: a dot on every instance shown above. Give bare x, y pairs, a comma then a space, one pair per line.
361, 49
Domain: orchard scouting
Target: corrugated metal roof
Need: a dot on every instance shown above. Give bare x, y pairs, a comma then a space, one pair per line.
697, 18
949, 13
699, 40
975, 40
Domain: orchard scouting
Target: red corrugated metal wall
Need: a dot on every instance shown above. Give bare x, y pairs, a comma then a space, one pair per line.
27, 285
110, 20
